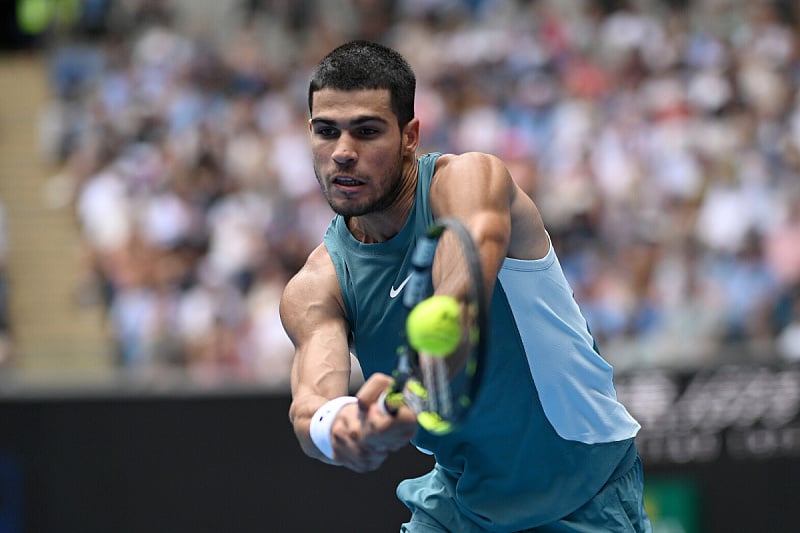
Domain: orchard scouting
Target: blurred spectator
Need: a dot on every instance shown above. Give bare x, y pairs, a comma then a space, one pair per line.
789, 336
5, 326
662, 145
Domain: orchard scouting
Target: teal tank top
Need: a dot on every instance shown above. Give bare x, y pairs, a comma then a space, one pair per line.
546, 431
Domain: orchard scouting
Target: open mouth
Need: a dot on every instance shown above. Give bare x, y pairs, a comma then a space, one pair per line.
346, 182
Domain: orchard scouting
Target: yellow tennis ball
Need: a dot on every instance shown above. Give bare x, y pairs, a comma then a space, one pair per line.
434, 325
433, 423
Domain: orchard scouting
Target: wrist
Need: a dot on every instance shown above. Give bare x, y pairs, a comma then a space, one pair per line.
322, 422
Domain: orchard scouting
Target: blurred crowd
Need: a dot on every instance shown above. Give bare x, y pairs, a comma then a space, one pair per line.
5, 319
660, 139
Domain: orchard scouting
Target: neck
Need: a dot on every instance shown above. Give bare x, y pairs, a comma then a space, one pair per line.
380, 226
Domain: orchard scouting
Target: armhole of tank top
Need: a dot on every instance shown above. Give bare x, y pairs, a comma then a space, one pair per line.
426, 168
342, 277
543, 263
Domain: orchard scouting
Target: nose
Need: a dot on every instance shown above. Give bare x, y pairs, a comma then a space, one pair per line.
345, 152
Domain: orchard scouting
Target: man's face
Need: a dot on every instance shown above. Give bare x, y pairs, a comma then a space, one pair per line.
357, 148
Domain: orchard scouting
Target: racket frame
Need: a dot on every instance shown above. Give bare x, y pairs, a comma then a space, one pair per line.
407, 387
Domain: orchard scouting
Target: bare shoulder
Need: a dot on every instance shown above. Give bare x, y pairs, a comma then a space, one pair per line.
474, 184
313, 291
470, 181
316, 277
318, 264
479, 163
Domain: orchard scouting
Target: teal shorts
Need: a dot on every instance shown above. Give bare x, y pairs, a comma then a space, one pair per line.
617, 508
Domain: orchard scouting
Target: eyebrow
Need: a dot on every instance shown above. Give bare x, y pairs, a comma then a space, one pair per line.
358, 121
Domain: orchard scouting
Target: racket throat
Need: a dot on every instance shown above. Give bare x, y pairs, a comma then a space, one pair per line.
437, 384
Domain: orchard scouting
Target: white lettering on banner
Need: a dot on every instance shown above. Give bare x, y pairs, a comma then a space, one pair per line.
746, 412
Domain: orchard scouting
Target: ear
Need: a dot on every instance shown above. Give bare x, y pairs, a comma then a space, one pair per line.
411, 137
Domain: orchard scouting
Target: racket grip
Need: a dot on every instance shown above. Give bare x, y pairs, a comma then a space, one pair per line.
390, 402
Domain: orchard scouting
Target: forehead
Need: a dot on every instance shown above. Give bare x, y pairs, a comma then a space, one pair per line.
334, 104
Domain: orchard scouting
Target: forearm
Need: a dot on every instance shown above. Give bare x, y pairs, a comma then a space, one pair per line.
301, 414
320, 373
317, 378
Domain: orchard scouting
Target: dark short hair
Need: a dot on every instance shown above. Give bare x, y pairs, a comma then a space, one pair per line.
360, 65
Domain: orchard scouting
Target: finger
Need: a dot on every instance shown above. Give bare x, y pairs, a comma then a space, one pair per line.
364, 460
372, 460
370, 391
406, 417
350, 447
386, 433
346, 433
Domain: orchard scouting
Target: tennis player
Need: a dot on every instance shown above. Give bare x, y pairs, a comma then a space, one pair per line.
546, 447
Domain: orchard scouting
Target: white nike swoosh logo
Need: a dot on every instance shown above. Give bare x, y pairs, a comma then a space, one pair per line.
394, 292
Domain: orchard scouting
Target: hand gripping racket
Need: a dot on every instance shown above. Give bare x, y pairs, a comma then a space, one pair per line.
441, 389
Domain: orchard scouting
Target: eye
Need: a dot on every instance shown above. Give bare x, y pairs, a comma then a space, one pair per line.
326, 131
367, 132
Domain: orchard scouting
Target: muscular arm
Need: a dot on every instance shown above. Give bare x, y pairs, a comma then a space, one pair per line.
478, 189
313, 315
314, 319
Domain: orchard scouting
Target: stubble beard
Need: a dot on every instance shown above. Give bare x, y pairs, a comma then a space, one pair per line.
382, 202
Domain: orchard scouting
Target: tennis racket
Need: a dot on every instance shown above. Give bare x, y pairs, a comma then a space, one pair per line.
441, 389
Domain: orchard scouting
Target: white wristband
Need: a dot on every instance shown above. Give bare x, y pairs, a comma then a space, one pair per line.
323, 420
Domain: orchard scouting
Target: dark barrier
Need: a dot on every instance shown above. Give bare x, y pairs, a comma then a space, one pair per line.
172, 465
719, 448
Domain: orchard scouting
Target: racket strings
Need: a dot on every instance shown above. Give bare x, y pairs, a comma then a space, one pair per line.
441, 389
435, 379
451, 268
